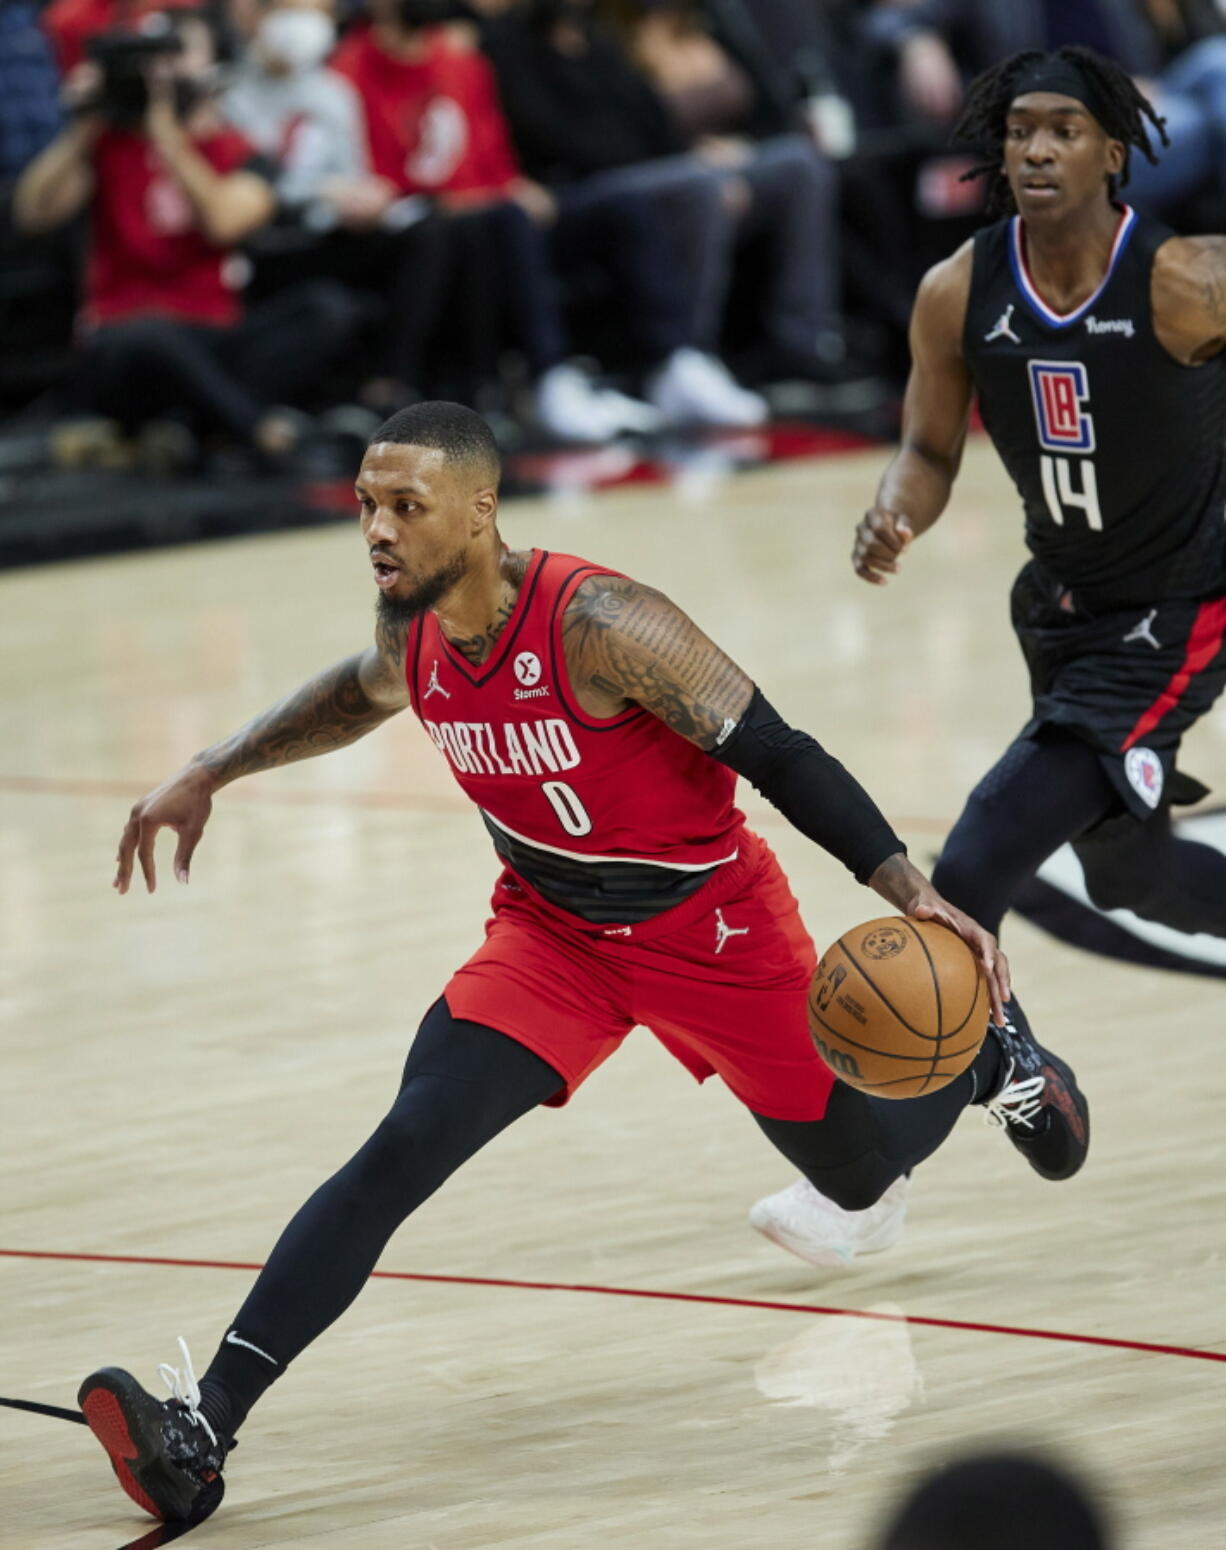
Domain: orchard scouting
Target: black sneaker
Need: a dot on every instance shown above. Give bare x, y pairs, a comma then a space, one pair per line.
1039, 1104
163, 1451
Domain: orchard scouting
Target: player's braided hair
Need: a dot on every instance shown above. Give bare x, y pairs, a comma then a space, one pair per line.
1119, 107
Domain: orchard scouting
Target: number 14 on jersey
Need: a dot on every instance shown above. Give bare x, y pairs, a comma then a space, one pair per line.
1061, 394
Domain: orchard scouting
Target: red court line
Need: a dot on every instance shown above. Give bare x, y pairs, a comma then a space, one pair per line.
64, 785
707, 1299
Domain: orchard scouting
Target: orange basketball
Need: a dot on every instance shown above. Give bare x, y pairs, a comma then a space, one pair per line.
898, 1007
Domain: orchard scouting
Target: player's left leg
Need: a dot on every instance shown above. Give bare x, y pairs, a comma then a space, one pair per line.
1143, 867
462, 1084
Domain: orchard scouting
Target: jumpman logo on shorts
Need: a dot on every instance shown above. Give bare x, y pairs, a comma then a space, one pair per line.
1144, 630
1002, 328
434, 687
723, 931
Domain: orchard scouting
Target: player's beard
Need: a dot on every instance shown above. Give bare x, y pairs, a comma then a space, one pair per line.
399, 612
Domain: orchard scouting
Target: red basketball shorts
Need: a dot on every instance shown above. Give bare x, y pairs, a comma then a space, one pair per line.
720, 980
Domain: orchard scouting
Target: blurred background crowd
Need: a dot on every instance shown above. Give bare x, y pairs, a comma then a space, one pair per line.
241, 229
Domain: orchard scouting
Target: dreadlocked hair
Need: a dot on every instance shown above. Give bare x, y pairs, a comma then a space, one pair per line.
1121, 110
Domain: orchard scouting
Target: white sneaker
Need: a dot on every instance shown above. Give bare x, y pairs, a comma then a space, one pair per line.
691, 386
801, 1220
569, 406
630, 414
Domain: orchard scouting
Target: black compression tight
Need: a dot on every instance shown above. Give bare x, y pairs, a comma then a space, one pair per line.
1045, 792
864, 1144
462, 1084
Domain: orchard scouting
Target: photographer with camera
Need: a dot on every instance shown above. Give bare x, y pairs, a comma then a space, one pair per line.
171, 192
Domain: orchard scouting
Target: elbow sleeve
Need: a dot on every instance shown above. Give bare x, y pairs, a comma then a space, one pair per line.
810, 788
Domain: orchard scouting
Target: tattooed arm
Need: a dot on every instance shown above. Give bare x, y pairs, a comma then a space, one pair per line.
628, 644
1188, 291
332, 710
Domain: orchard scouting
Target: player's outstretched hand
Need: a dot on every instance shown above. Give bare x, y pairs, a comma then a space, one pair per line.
931, 906
882, 538
183, 804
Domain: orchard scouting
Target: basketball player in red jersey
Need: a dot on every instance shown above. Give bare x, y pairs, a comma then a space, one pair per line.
600, 734
1094, 339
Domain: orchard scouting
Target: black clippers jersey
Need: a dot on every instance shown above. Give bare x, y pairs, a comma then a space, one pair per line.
1115, 448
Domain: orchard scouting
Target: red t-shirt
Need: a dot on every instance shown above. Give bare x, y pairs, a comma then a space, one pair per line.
435, 125
627, 788
147, 252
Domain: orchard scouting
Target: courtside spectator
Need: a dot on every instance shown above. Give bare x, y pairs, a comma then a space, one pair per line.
30, 114
170, 192
435, 128
337, 217
741, 119
588, 122
576, 107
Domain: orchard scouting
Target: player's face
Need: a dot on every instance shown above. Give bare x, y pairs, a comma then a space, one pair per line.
421, 520
1057, 158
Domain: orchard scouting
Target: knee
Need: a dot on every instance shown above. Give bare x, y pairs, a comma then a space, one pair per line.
796, 159
1110, 887
140, 340
965, 858
853, 1191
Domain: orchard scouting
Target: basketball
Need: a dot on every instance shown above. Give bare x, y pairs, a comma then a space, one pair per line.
898, 1007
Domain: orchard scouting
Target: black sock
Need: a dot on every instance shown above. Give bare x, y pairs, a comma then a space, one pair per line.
988, 1070
237, 1376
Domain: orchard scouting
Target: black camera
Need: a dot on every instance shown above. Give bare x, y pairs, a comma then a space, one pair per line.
124, 57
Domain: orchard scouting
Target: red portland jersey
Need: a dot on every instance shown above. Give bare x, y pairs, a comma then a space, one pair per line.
147, 252
542, 771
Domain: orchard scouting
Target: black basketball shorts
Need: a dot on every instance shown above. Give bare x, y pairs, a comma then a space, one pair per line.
1129, 682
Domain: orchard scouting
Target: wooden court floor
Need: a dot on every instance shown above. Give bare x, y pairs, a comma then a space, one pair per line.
180, 1071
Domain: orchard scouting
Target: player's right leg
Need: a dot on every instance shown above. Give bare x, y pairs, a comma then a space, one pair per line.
463, 1083
851, 1197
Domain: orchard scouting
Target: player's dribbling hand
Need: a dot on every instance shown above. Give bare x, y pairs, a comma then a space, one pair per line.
183, 804
882, 538
931, 906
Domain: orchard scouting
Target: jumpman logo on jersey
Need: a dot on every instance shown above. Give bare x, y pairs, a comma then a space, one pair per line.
434, 687
723, 931
1001, 328
1144, 631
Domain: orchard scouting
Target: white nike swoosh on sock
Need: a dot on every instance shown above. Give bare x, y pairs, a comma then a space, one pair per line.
233, 1339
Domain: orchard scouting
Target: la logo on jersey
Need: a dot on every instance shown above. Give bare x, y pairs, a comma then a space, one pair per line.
1061, 390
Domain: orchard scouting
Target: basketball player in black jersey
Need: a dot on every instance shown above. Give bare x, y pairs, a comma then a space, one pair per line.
1094, 340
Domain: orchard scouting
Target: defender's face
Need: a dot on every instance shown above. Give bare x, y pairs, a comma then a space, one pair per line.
419, 518
1057, 157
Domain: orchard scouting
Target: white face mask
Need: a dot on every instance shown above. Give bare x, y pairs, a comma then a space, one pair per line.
300, 40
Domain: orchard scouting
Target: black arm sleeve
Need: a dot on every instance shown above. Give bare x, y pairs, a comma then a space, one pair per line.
812, 791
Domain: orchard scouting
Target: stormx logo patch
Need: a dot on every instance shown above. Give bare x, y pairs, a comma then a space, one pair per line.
1122, 326
528, 671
